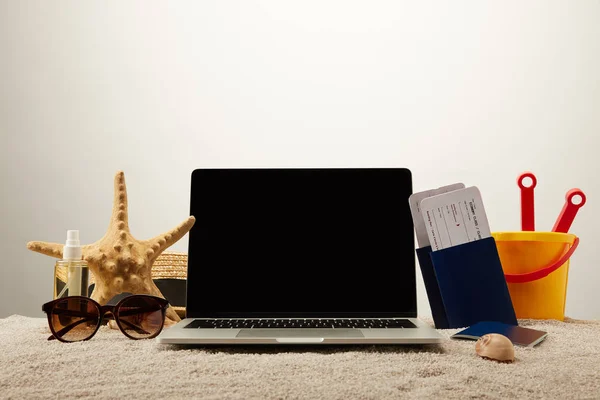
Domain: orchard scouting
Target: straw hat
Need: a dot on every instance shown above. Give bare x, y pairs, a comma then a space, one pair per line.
171, 265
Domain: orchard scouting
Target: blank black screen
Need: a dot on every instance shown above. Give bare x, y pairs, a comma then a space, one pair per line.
301, 242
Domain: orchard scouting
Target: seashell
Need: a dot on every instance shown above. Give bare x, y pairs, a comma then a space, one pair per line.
495, 347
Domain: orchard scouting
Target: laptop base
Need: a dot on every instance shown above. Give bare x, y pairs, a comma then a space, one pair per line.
179, 334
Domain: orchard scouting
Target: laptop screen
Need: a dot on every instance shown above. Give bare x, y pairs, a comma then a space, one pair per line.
301, 243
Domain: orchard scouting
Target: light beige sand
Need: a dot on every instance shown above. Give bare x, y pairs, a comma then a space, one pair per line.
110, 366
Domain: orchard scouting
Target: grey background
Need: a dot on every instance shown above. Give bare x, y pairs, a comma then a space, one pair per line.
471, 91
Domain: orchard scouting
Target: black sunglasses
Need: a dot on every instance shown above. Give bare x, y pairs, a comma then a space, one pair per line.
77, 318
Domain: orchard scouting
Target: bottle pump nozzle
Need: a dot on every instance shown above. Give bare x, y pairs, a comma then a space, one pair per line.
72, 247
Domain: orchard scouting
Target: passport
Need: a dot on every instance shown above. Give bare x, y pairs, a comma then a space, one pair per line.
518, 335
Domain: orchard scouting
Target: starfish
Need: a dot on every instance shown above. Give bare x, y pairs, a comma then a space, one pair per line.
119, 262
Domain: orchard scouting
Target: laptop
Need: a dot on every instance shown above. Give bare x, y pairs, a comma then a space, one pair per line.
301, 256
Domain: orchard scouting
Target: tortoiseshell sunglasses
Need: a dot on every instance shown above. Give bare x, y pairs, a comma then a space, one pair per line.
77, 318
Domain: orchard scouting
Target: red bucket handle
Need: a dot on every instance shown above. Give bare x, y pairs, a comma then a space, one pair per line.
541, 273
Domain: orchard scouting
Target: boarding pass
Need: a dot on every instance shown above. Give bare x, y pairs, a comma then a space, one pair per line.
455, 218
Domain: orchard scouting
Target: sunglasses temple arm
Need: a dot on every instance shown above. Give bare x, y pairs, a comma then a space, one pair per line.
134, 312
67, 328
138, 310
136, 328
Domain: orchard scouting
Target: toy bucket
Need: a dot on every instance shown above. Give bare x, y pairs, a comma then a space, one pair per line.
536, 268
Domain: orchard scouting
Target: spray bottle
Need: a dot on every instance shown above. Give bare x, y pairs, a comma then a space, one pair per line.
72, 271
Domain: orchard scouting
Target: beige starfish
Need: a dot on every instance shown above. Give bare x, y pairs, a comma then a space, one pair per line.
119, 262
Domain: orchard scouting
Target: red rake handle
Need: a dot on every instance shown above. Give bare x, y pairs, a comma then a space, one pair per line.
527, 202
544, 272
567, 214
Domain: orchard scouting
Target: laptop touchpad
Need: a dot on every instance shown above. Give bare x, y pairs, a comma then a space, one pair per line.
301, 333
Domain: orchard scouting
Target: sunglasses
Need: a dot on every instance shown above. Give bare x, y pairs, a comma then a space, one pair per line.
77, 318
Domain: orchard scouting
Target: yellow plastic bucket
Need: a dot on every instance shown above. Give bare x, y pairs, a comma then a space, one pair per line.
536, 268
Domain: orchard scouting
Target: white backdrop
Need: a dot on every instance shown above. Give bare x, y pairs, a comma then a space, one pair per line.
472, 91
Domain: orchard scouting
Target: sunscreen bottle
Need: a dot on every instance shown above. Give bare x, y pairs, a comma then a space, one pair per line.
71, 274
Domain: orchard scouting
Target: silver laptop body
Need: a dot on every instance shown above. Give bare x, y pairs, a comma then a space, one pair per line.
301, 256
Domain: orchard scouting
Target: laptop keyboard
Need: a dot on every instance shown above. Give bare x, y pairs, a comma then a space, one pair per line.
300, 323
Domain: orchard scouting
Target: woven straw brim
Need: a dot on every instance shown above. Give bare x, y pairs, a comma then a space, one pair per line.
169, 265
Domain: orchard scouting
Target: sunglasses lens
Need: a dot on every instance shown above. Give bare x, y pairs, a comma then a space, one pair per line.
74, 319
141, 317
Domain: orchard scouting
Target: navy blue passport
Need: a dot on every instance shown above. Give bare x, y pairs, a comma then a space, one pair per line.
470, 283
518, 335
431, 287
